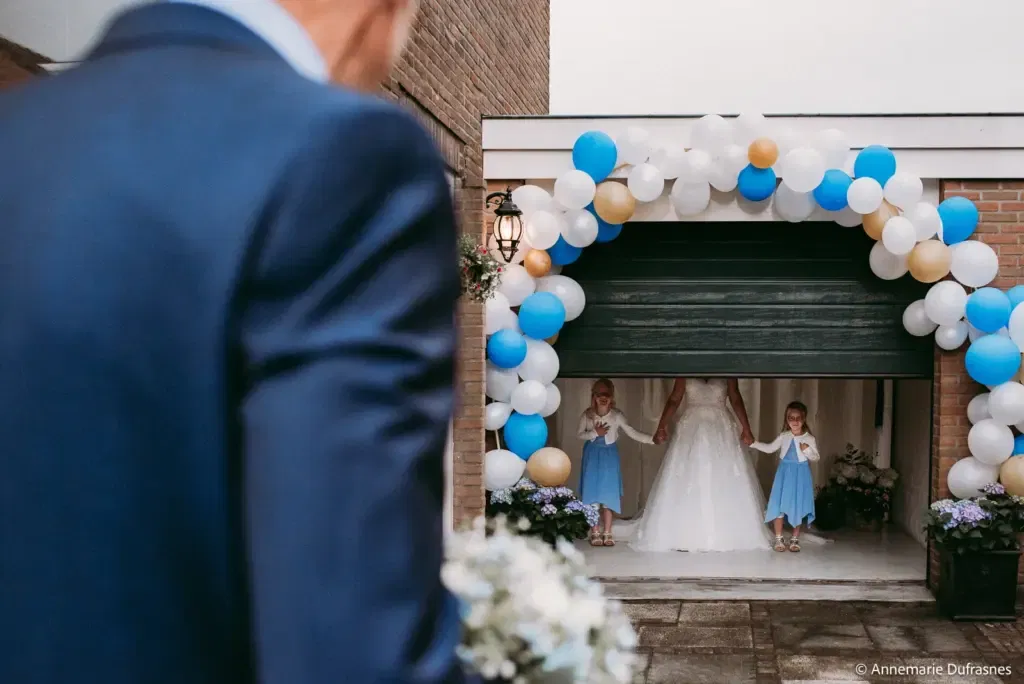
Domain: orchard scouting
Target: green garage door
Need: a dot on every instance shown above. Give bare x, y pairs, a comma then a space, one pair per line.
746, 300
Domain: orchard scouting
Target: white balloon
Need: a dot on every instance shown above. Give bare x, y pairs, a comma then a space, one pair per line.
916, 321
634, 146
803, 169
904, 190
552, 402
690, 199
668, 160
975, 264
975, 334
501, 319
865, 195
496, 415
968, 476
926, 220
793, 206
529, 397
950, 337
516, 284
645, 182
579, 228
711, 133
1016, 326
555, 269
734, 158
885, 264
977, 409
499, 382
1006, 403
945, 302
722, 179
787, 140
697, 167
748, 128
541, 363
502, 469
899, 236
990, 441
568, 292
530, 198
574, 190
543, 228
847, 217
833, 146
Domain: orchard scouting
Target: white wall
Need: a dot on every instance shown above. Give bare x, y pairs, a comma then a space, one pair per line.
911, 455
58, 29
789, 57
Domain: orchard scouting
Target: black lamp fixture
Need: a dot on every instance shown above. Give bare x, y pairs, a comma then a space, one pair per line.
508, 223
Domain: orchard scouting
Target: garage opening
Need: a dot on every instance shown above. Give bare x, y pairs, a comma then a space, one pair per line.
794, 313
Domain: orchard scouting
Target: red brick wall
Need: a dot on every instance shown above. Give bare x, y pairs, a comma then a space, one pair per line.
468, 58
1001, 205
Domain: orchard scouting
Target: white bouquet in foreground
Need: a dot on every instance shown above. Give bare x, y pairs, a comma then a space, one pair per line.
531, 614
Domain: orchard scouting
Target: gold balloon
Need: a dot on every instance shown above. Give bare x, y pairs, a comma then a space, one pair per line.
763, 153
554, 338
549, 467
1011, 475
875, 221
537, 263
614, 203
929, 261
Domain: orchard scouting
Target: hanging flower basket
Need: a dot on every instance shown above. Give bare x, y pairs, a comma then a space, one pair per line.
480, 272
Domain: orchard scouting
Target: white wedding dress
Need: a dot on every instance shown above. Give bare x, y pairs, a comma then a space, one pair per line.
706, 497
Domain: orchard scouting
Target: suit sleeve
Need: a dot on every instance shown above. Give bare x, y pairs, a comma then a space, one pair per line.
768, 448
348, 334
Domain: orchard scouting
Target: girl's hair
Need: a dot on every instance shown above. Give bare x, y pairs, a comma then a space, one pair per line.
802, 409
608, 387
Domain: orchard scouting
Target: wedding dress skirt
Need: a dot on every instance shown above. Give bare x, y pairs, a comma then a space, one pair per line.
706, 497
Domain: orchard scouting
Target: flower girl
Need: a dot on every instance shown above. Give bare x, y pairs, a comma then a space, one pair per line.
600, 474
792, 496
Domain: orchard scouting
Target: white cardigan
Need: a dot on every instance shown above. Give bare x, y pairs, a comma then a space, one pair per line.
615, 420
782, 442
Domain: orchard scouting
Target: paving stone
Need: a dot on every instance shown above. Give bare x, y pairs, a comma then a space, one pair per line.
640, 669
812, 668
892, 615
812, 612
1004, 637
663, 637
822, 637
715, 613
701, 669
652, 611
933, 636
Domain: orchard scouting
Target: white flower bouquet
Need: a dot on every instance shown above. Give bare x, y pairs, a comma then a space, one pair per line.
531, 614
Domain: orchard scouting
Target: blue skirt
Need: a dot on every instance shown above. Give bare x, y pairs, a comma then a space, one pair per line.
600, 475
792, 494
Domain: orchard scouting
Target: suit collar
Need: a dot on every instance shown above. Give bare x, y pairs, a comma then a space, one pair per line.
169, 24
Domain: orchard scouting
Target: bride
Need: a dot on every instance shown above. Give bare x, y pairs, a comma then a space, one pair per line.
706, 496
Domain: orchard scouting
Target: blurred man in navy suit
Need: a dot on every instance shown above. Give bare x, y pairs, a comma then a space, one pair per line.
226, 357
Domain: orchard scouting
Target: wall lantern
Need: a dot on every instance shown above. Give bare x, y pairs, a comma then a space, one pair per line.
508, 223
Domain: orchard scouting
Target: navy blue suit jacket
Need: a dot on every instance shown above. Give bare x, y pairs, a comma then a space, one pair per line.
226, 362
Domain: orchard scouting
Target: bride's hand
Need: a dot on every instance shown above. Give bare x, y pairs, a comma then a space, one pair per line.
660, 436
747, 438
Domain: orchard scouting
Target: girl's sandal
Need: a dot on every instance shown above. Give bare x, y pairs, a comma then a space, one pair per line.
607, 538
595, 539
794, 545
780, 544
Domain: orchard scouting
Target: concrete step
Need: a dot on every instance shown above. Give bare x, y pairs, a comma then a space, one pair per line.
633, 589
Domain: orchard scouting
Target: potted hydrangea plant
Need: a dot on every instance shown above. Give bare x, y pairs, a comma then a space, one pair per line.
530, 613
858, 490
979, 551
552, 513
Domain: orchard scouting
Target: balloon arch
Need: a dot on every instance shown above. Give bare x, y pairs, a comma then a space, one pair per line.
912, 236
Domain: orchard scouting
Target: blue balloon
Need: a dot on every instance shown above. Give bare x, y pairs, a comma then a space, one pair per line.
562, 253
541, 315
959, 219
525, 434
992, 360
1018, 445
506, 349
594, 153
988, 309
606, 232
756, 184
1016, 295
831, 192
876, 162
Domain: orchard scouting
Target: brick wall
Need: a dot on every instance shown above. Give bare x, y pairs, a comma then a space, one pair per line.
468, 58
1001, 205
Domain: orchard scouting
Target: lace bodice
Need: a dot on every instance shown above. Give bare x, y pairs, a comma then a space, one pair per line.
706, 392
